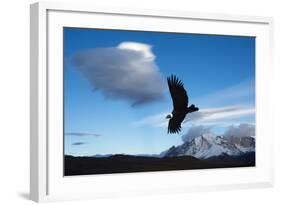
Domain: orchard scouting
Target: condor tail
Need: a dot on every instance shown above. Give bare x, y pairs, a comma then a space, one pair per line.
192, 108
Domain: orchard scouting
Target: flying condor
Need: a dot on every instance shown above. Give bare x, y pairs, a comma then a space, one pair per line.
180, 103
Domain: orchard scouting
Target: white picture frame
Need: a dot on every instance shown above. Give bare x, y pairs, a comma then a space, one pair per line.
47, 182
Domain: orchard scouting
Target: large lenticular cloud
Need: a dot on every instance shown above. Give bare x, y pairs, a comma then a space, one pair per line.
126, 72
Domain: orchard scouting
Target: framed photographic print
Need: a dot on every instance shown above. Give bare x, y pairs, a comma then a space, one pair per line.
127, 102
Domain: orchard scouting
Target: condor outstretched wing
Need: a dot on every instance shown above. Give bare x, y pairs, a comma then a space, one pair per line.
175, 123
178, 93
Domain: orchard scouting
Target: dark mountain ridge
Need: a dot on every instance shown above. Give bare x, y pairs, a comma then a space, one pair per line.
127, 163
202, 152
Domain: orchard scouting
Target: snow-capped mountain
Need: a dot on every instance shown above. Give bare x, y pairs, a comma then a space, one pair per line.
209, 145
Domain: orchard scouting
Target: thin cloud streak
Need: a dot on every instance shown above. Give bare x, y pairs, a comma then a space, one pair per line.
240, 91
78, 143
214, 114
211, 116
231, 96
152, 120
82, 134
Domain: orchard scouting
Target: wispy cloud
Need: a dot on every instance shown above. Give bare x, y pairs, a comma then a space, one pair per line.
82, 134
195, 131
209, 116
222, 113
229, 111
239, 130
156, 120
78, 143
230, 95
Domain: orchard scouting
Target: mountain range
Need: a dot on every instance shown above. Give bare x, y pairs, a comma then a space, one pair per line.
208, 145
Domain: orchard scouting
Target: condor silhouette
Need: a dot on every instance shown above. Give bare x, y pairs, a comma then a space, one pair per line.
180, 103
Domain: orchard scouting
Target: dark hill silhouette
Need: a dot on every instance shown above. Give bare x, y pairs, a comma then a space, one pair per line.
128, 163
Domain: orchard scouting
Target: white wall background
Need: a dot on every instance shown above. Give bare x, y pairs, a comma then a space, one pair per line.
14, 101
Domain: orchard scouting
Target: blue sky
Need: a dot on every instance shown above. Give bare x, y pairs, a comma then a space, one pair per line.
116, 97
